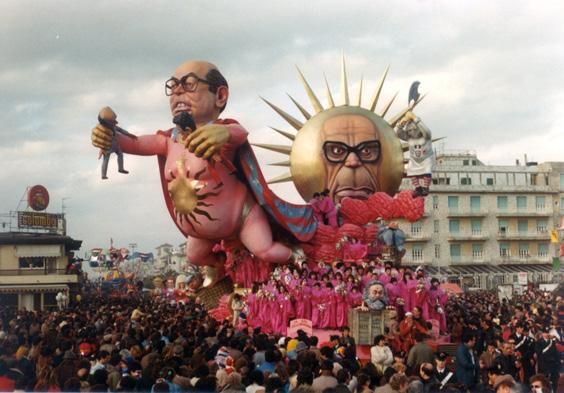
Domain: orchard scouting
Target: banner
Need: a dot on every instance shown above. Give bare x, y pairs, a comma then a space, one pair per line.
555, 264
300, 324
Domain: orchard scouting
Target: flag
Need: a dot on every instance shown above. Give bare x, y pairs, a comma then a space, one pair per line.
555, 264
554, 236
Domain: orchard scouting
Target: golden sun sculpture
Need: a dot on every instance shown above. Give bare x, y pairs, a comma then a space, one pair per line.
306, 160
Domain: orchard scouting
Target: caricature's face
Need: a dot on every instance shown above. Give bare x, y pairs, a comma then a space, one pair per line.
376, 292
201, 103
351, 148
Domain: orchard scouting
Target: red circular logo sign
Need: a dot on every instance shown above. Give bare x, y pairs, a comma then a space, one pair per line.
38, 198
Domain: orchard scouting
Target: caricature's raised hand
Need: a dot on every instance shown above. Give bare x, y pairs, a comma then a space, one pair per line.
102, 134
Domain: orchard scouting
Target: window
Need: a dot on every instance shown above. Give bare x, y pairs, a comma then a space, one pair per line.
503, 227
417, 253
32, 263
465, 162
435, 202
474, 162
475, 204
453, 226
504, 250
443, 181
453, 203
561, 182
490, 181
465, 181
561, 205
502, 203
455, 252
477, 252
416, 229
476, 227
522, 227
540, 203
436, 226
523, 250
543, 250
521, 203
542, 225
437, 251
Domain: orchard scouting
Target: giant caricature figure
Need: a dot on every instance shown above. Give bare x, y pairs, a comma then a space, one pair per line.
206, 199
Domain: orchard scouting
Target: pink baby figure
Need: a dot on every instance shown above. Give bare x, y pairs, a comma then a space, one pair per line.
205, 198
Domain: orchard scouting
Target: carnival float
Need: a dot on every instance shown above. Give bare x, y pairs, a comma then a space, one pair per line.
346, 158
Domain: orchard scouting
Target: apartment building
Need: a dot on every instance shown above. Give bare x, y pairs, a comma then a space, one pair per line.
496, 217
33, 269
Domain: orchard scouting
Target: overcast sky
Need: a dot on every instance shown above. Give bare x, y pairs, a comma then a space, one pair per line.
493, 72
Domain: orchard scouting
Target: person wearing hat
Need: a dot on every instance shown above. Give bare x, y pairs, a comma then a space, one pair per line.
442, 372
547, 356
504, 384
506, 361
524, 349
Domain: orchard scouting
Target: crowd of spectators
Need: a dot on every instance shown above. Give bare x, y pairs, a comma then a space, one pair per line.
103, 344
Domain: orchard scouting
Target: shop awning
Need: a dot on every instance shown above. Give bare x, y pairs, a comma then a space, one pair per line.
33, 288
38, 250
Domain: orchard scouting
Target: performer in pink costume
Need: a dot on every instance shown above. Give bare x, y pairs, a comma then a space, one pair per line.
354, 251
437, 302
385, 277
354, 298
328, 209
316, 300
327, 314
315, 202
393, 291
341, 307
205, 198
419, 296
405, 284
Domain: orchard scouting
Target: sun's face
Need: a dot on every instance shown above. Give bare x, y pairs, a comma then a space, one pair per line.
347, 149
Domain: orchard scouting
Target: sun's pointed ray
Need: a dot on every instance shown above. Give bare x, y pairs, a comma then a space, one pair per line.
277, 148
317, 107
374, 99
284, 133
301, 108
388, 105
359, 100
192, 225
281, 163
204, 213
438, 139
193, 217
291, 120
393, 121
208, 194
330, 101
197, 175
344, 84
285, 177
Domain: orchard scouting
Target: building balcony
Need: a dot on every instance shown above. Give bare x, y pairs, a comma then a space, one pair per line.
468, 236
466, 213
464, 260
417, 237
36, 276
524, 213
524, 259
530, 235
